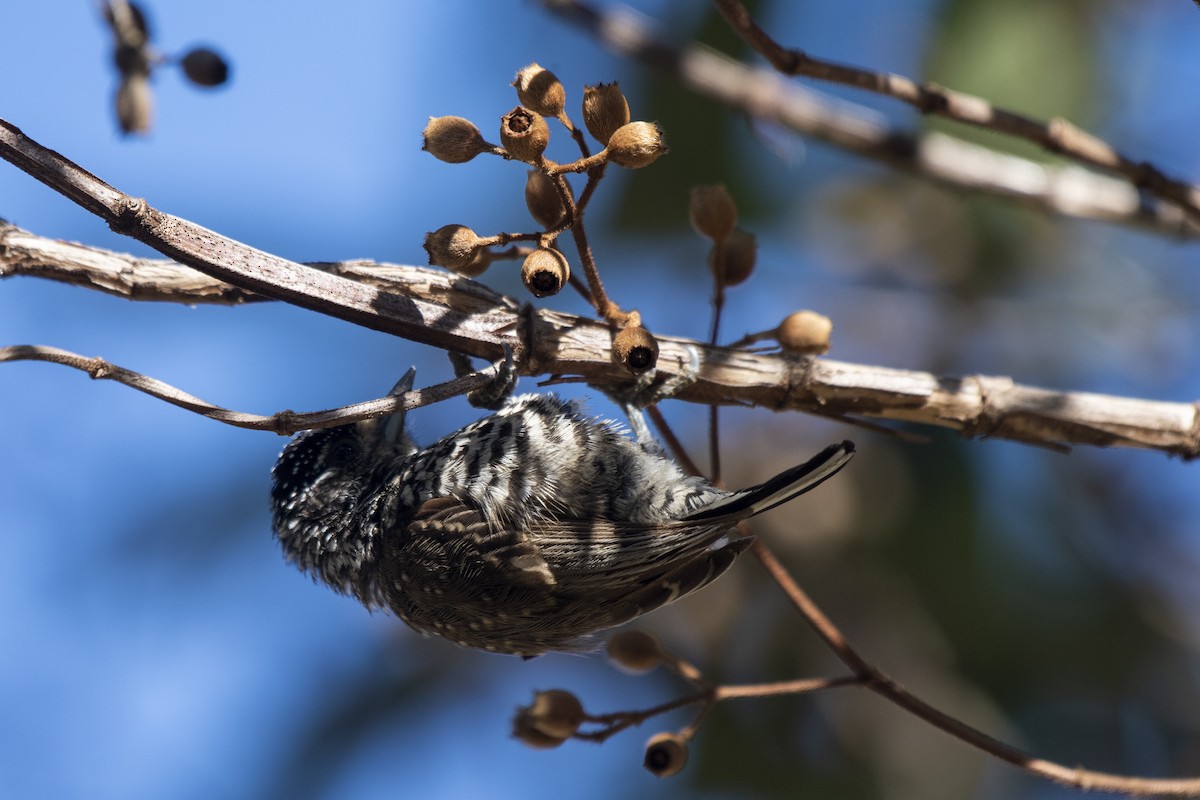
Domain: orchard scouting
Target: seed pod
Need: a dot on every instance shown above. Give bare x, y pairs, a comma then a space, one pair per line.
805, 333
131, 59
205, 67
135, 103
132, 29
524, 134
545, 271
712, 211
732, 261
543, 201
478, 264
666, 754
636, 145
525, 732
452, 246
636, 349
634, 651
540, 90
453, 139
555, 712
604, 110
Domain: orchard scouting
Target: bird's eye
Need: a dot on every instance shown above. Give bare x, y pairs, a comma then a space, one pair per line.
343, 453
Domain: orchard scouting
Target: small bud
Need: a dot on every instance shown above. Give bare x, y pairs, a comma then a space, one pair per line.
543, 201
732, 261
634, 651
635, 348
805, 333
545, 272
453, 139
666, 754
540, 91
205, 67
555, 712
604, 110
135, 103
452, 246
636, 145
712, 211
524, 134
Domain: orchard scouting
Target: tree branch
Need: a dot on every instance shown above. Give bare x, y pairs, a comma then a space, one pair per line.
558, 343
285, 423
1067, 190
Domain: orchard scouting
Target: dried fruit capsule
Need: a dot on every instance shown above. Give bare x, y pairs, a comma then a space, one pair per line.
604, 110
556, 713
635, 651
636, 145
543, 200
805, 333
666, 754
524, 731
635, 348
545, 271
540, 90
524, 134
732, 260
712, 211
452, 246
205, 67
135, 103
453, 139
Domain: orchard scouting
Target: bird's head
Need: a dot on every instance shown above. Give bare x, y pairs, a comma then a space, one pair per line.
319, 484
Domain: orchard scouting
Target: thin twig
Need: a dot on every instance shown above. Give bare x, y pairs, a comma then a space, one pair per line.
284, 423
1056, 136
875, 680
1067, 190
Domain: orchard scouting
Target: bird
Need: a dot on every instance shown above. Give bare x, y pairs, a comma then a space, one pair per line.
524, 532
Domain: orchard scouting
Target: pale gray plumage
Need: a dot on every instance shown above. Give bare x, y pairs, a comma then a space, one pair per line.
523, 532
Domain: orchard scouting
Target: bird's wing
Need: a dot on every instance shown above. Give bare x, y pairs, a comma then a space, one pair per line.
468, 542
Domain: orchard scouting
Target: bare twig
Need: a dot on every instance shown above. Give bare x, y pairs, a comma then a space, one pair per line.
875, 680
557, 343
1056, 136
1068, 190
284, 423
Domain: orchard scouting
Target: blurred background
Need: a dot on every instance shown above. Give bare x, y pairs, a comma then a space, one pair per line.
156, 645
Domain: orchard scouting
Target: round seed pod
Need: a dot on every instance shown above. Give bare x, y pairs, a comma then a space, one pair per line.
453, 139
805, 333
634, 651
636, 349
524, 134
135, 103
732, 260
666, 755
712, 211
545, 272
540, 90
556, 713
543, 201
452, 246
636, 145
604, 110
205, 67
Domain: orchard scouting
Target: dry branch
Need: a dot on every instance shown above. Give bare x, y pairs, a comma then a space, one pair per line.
553, 343
1145, 197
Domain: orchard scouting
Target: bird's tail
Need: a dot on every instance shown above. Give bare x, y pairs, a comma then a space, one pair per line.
780, 489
